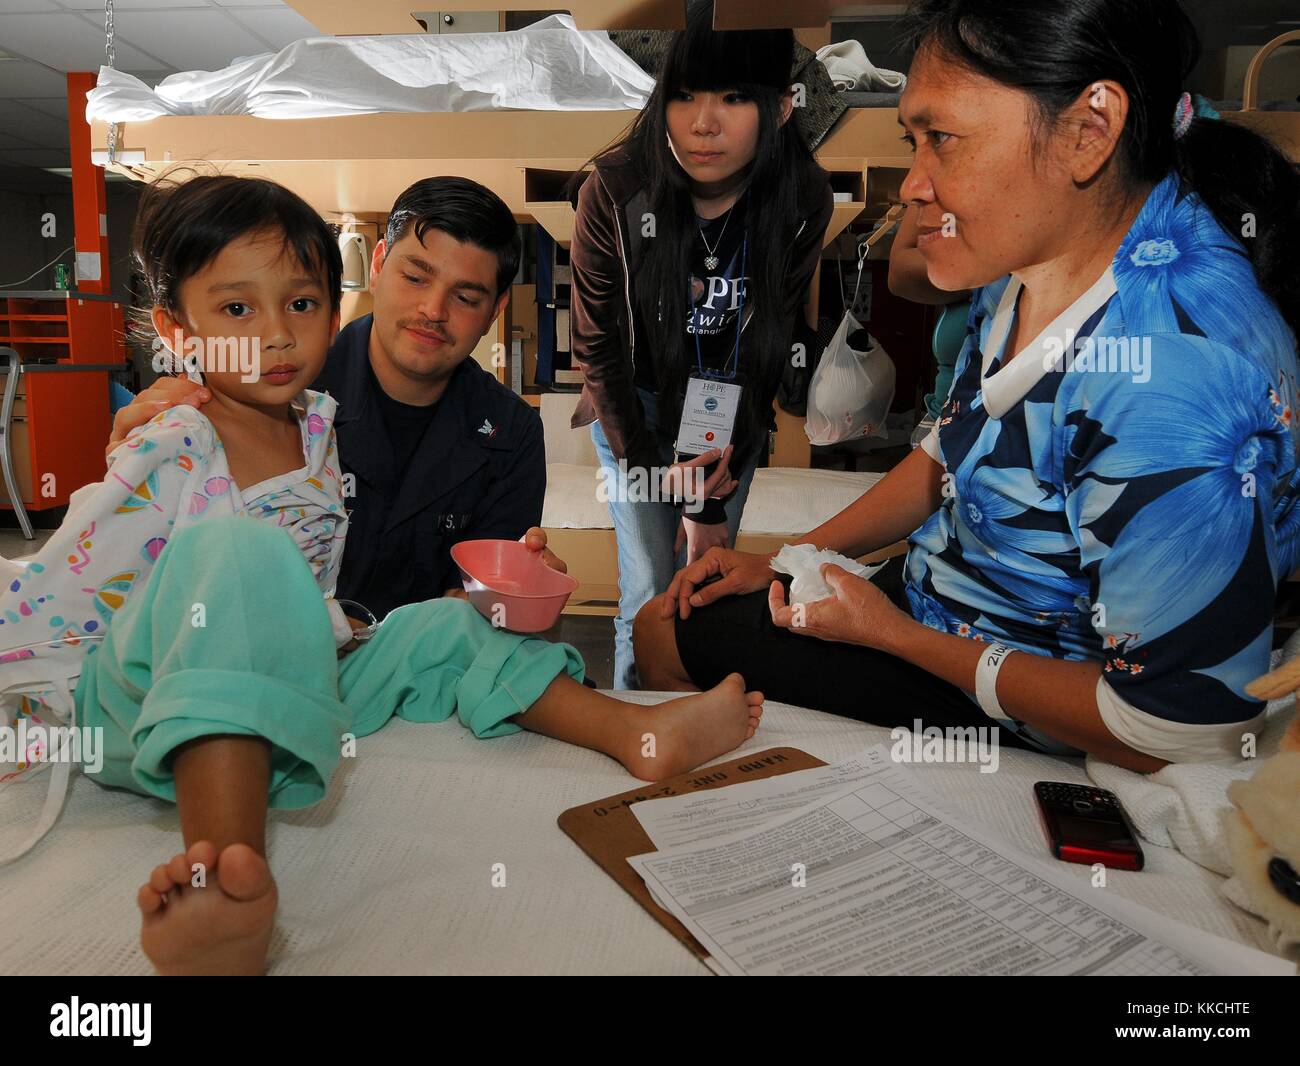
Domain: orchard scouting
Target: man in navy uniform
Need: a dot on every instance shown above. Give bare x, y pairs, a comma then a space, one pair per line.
433, 449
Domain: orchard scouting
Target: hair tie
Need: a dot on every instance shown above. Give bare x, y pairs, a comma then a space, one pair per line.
1183, 112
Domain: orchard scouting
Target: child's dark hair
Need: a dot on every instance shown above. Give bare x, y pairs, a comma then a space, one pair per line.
181, 226
1053, 50
463, 209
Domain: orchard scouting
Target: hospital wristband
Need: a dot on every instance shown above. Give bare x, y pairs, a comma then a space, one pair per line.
986, 680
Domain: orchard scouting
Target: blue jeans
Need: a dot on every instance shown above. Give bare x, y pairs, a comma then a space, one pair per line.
646, 533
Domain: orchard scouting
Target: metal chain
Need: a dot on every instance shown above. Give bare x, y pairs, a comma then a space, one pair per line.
111, 53
108, 32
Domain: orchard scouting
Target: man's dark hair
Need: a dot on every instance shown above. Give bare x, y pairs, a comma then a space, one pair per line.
462, 209
182, 225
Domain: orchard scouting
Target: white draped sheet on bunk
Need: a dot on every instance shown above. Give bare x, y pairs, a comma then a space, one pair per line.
549, 66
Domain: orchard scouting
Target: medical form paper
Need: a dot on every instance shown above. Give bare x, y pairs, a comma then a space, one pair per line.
873, 877
676, 821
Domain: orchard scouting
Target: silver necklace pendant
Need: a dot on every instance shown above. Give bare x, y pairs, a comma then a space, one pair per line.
711, 260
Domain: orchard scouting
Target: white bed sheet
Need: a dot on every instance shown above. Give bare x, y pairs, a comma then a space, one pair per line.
549, 66
785, 501
391, 872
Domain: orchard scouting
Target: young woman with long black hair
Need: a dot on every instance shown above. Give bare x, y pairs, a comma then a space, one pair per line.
1100, 519
693, 250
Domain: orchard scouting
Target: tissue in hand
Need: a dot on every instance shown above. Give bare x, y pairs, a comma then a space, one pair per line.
804, 563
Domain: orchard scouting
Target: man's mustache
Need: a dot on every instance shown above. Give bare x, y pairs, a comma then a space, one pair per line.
428, 327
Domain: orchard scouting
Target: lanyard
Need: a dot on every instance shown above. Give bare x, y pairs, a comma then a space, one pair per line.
734, 361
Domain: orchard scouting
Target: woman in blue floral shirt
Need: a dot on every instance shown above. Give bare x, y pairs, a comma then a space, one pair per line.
1100, 519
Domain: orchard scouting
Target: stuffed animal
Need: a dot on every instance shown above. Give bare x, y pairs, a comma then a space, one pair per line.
1264, 829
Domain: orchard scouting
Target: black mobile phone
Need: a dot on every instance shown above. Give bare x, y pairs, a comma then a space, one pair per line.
1086, 824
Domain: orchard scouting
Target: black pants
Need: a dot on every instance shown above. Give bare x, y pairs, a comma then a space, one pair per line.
737, 634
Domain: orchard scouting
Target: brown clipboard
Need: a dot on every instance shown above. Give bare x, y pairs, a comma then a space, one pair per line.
609, 833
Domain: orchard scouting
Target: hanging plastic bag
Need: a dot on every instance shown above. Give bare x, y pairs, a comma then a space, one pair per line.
851, 391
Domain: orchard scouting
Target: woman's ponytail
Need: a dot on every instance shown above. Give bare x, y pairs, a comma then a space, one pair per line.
1254, 192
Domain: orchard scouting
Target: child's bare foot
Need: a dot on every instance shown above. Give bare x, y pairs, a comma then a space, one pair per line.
694, 729
221, 928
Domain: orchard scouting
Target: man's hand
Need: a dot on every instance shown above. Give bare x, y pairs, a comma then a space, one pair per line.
738, 573
535, 540
164, 393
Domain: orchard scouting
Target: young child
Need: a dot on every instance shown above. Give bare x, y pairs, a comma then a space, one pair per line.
179, 608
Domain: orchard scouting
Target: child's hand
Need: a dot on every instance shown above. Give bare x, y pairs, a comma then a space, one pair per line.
352, 645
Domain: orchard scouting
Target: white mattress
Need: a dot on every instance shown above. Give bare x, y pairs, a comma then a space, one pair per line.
391, 873
782, 500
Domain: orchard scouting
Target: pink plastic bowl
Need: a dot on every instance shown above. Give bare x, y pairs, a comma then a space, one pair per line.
510, 585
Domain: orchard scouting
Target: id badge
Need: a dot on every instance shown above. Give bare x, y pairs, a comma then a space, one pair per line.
708, 415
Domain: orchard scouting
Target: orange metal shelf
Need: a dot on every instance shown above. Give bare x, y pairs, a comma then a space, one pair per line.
58, 444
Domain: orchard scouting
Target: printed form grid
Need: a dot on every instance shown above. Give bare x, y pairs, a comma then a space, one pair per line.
952, 859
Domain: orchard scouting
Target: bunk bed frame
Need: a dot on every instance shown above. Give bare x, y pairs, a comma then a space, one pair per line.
341, 18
